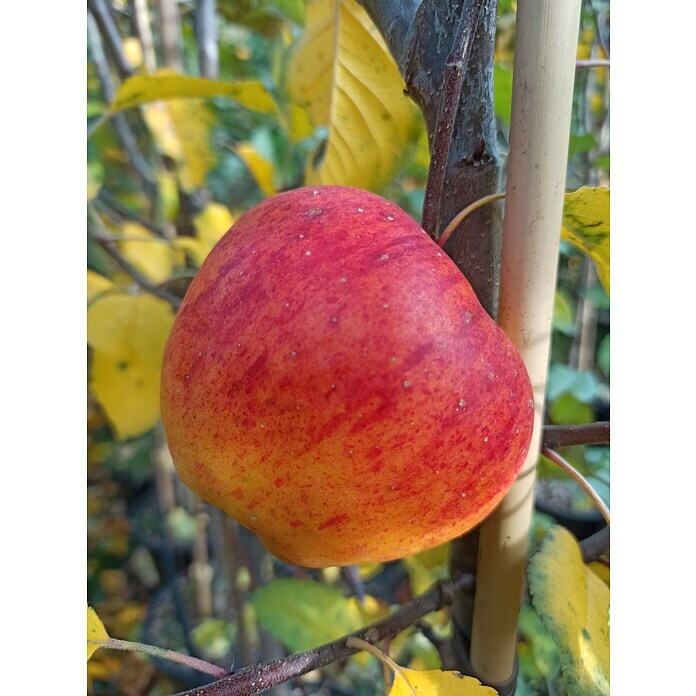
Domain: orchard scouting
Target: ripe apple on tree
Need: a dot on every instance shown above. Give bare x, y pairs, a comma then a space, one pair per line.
332, 383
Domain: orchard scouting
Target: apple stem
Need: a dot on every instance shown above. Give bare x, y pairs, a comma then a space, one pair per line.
454, 223
564, 464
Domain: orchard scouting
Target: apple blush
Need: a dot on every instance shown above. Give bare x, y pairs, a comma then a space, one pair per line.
332, 383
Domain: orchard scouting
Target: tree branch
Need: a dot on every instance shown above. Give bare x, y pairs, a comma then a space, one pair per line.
123, 130
447, 113
205, 23
566, 435
595, 546
101, 13
256, 678
394, 20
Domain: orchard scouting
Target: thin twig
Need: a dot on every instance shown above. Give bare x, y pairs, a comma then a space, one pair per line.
123, 130
256, 678
454, 223
171, 655
112, 206
579, 479
566, 435
455, 68
101, 13
592, 63
102, 238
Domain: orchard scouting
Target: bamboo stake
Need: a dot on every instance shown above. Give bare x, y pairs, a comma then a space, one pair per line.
544, 67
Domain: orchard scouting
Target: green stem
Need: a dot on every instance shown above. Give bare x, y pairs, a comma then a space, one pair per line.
171, 655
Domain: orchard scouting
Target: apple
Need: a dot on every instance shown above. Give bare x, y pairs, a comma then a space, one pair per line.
332, 383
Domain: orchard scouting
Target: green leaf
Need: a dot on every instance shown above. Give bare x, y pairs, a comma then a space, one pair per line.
586, 226
567, 410
303, 614
563, 313
502, 92
164, 85
344, 75
581, 143
573, 604
603, 361
544, 650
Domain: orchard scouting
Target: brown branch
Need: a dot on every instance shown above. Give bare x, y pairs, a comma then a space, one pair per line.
256, 678
455, 68
102, 238
595, 546
556, 436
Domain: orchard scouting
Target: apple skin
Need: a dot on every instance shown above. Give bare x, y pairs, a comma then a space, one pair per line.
332, 383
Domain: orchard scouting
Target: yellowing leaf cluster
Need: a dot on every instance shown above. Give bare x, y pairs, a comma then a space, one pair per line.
343, 73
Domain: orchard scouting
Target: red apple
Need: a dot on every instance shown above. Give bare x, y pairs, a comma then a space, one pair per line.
332, 383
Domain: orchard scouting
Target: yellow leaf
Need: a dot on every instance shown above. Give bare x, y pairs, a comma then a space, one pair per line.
133, 50
128, 334
437, 683
261, 169
193, 122
586, 226
344, 74
96, 285
153, 256
426, 567
161, 125
181, 128
164, 84
210, 224
573, 604
95, 632
601, 570
300, 126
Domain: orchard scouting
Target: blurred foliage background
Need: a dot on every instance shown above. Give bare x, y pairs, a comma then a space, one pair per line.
196, 111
